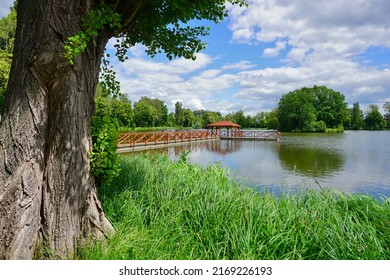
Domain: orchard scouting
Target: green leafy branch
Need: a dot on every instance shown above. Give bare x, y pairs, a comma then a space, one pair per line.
96, 21
108, 77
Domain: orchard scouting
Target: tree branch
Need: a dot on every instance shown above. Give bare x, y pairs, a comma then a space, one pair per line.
131, 16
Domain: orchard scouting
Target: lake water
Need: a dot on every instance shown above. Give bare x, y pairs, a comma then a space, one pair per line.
353, 161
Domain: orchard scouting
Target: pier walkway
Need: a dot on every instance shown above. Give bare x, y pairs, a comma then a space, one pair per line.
250, 135
138, 141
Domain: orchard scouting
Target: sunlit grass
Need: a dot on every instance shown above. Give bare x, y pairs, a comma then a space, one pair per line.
175, 210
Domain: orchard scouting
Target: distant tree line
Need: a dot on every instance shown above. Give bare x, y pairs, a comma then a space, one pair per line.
313, 109
151, 112
320, 108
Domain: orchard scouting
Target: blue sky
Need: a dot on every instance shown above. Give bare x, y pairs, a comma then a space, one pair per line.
270, 48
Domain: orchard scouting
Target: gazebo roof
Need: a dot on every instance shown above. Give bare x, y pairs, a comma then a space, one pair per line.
224, 123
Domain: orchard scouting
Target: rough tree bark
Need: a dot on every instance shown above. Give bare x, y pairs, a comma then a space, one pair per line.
47, 192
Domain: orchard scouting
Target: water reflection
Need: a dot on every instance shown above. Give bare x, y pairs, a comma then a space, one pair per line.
310, 161
218, 147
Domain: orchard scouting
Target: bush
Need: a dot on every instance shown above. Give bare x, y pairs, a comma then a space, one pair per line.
273, 123
103, 158
339, 129
320, 126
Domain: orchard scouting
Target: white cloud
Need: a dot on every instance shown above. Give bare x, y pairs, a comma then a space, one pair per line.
242, 65
367, 90
366, 85
336, 27
272, 52
182, 65
252, 90
138, 51
195, 104
192, 82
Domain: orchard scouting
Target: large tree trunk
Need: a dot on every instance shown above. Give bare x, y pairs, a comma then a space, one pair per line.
47, 192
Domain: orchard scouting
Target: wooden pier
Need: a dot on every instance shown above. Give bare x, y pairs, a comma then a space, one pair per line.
232, 131
138, 141
249, 135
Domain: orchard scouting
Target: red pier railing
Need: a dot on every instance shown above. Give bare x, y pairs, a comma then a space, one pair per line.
165, 137
142, 139
250, 134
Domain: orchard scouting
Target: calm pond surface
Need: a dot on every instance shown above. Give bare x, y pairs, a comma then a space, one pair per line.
353, 161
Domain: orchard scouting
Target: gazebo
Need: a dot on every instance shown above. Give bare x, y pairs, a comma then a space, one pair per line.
216, 127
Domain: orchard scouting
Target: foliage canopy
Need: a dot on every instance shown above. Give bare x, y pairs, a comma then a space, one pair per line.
374, 119
356, 117
312, 109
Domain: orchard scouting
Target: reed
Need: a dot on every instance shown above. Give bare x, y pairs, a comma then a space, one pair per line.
176, 210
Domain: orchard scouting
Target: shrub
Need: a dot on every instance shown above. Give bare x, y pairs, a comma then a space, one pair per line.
320, 126
103, 158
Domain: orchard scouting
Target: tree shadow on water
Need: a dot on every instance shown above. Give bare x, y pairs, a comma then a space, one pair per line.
309, 161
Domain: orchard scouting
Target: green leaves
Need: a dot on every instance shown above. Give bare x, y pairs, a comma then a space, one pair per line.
108, 77
308, 109
97, 20
103, 157
179, 42
75, 45
374, 119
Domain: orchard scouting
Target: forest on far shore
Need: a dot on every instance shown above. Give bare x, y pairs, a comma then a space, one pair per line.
313, 109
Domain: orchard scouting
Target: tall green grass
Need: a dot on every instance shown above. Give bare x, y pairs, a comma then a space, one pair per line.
175, 210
